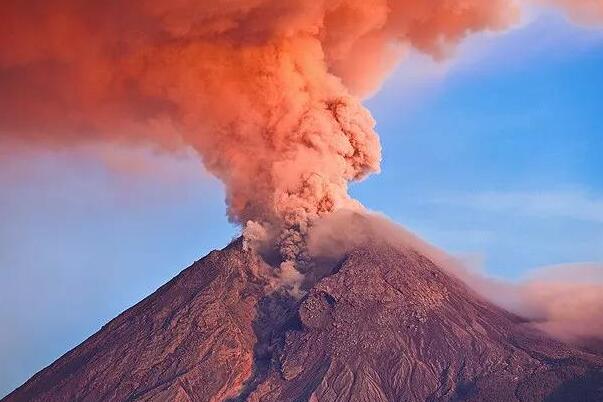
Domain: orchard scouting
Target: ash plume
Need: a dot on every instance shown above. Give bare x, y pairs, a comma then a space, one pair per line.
267, 92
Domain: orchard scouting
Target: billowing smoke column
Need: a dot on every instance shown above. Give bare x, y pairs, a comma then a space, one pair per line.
266, 91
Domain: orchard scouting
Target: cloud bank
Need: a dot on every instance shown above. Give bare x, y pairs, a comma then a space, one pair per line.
577, 205
581, 11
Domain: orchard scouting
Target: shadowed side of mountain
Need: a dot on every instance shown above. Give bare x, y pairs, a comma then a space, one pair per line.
392, 326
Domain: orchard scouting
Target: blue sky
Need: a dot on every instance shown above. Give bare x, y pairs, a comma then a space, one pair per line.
499, 157
493, 155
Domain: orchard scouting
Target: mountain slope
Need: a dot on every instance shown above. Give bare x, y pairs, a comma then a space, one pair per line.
392, 326
192, 336
386, 325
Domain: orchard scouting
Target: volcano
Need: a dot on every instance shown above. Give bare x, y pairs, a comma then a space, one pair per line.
383, 325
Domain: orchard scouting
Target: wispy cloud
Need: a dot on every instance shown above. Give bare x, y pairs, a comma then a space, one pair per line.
568, 205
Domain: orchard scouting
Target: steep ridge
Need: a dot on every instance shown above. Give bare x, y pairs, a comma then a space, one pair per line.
386, 325
193, 336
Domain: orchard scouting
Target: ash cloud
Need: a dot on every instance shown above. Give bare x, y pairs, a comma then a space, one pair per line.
267, 92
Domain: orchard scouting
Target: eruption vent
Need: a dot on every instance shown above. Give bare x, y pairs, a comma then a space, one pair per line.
267, 92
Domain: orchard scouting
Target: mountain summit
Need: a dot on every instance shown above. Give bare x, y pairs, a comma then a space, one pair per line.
383, 325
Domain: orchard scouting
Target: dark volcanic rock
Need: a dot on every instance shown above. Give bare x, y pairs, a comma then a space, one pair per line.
386, 325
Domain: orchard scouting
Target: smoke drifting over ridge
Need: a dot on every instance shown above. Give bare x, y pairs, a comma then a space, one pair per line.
564, 301
267, 92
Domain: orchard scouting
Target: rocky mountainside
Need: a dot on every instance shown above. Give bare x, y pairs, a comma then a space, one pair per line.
385, 325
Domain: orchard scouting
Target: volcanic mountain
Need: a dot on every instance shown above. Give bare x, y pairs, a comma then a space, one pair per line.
384, 324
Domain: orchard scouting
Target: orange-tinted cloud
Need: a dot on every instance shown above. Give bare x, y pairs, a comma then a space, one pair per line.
266, 91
